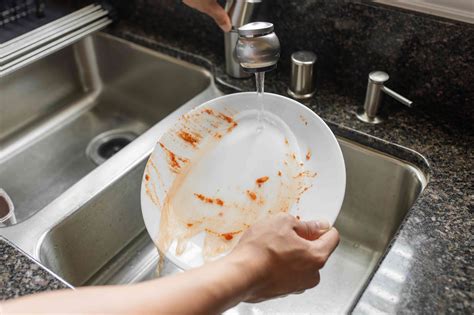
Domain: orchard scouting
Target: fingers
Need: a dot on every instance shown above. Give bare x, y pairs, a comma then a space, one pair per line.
219, 15
327, 242
311, 230
214, 10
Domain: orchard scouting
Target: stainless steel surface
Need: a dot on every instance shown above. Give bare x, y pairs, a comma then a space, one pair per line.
405, 101
7, 209
108, 143
373, 98
302, 74
104, 242
240, 12
258, 47
461, 10
69, 22
50, 38
255, 29
38, 32
52, 109
232, 65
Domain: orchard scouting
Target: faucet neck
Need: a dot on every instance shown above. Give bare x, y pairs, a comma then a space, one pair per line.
242, 12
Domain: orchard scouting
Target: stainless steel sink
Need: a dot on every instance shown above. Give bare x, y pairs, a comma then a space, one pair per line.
51, 110
89, 228
104, 242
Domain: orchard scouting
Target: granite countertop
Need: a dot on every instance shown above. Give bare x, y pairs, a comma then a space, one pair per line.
20, 275
437, 231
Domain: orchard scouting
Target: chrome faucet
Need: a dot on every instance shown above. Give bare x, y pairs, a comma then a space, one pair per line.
373, 97
241, 12
258, 47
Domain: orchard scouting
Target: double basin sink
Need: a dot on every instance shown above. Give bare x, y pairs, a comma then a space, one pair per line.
77, 203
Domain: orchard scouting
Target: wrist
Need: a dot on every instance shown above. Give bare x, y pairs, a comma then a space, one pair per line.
251, 266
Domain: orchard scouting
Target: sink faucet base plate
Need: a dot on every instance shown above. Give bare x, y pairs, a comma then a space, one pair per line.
362, 115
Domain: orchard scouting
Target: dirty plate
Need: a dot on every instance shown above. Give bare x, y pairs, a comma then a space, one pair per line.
225, 165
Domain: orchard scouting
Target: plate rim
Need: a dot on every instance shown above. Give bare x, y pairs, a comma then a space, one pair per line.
185, 266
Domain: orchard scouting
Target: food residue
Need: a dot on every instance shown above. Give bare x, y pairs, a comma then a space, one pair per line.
190, 138
252, 195
222, 220
261, 180
226, 118
216, 201
228, 236
150, 187
173, 159
304, 120
307, 174
308, 155
232, 126
298, 217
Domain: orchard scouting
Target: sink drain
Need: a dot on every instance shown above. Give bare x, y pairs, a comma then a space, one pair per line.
105, 145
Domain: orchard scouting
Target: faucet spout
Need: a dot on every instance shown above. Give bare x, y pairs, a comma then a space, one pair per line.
258, 47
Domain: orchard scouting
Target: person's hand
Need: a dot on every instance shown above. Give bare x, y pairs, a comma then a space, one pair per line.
214, 10
285, 254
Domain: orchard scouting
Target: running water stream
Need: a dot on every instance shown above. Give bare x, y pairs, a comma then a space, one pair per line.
260, 82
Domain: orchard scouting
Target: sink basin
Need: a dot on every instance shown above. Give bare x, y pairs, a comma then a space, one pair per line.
53, 109
105, 242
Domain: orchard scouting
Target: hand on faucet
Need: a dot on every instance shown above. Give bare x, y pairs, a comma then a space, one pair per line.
214, 10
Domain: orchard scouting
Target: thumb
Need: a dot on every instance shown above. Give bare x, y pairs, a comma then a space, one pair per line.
311, 230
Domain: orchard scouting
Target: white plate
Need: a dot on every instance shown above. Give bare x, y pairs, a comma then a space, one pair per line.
216, 172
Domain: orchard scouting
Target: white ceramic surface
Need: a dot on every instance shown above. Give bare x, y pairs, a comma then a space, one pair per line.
212, 170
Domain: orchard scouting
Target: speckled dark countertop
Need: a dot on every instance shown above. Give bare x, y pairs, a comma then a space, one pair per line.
437, 233
20, 275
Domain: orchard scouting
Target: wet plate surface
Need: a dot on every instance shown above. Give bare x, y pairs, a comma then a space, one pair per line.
227, 164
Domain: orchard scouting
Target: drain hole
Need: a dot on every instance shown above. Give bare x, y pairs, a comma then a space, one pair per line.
109, 148
105, 145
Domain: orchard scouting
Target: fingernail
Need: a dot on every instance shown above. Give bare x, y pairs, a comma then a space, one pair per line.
323, 225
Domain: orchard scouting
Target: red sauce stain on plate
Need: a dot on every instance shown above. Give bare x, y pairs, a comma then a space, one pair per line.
260, 181
221, 221
190, 138
216, 201
173, 159
252, 195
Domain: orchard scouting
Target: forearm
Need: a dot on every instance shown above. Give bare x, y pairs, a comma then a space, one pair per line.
273, 258
207, 290
210, 289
